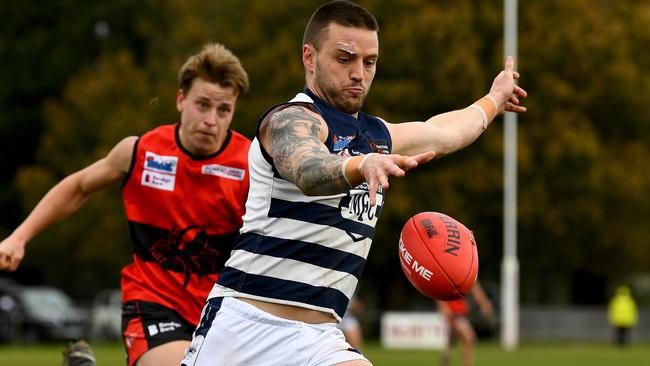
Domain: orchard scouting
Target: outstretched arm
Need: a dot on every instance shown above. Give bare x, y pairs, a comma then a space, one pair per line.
66, 198
452, 131
483, 301
294, 137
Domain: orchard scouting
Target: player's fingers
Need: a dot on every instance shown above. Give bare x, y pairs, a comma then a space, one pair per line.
383, 181
510, 64
395, 171
515, 108
406, 162
515, 74
514, 100
5, 262
372, 190
424, 157
519, 91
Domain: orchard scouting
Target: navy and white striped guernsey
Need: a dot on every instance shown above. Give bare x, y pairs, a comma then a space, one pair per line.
306, 251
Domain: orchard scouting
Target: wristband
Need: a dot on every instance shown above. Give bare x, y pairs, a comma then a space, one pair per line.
488, 107
364, 160
483, 115
351, 170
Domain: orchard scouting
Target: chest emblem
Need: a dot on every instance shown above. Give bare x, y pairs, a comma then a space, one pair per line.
223, 171
159, 171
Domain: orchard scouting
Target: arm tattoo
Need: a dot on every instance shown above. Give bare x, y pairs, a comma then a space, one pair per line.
301, 157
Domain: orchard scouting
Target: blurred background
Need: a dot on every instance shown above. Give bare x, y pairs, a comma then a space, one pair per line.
78, 76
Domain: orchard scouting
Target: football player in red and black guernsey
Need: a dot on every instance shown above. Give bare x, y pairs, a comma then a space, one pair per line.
455, 313
184, 188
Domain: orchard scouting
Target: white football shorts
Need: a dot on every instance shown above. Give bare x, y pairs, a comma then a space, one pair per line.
235, 333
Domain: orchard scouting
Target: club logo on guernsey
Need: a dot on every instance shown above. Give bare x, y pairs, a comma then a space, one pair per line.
159, 171
223, 171
160, 163
356, 206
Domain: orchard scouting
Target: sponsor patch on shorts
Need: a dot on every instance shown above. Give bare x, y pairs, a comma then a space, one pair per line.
162, 327
223, 171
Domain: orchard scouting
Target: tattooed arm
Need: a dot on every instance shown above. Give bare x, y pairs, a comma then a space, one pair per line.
294, 137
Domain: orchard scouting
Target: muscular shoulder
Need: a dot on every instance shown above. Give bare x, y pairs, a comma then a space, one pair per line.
121, 155
290, 121
298, 120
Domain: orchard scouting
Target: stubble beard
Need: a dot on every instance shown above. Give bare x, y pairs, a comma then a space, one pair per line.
334, 96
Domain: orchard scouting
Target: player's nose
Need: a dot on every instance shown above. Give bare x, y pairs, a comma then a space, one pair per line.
356, 71
210, 117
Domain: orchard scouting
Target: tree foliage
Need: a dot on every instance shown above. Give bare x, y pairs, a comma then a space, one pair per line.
583, 147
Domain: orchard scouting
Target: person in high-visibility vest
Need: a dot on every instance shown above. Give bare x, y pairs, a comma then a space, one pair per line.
623, 315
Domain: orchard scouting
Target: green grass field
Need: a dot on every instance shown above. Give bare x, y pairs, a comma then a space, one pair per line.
487, 354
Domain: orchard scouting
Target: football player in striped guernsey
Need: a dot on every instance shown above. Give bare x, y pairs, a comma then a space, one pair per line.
319, 168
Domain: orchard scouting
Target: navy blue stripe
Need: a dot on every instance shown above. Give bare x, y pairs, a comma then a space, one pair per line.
211, 308
317, 213
302, 251
276, 288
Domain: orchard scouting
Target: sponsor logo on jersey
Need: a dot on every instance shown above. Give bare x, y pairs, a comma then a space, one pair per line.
223, 171
378, 146
160, 163
341, 142
157, 180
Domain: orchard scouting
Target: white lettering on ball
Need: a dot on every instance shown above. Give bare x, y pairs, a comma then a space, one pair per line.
408, 258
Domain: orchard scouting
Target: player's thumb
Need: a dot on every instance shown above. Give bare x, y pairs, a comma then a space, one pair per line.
509, 64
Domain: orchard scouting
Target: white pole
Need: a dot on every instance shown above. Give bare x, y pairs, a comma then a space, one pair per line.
510, 264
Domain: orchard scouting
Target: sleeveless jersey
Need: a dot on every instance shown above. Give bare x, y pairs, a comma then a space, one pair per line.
458, 307
306, 251
184, 213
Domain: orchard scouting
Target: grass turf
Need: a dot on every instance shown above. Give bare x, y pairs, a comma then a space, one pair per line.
486, 354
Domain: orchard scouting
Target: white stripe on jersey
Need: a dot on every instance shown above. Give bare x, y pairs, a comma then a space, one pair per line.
289, 269
327, 236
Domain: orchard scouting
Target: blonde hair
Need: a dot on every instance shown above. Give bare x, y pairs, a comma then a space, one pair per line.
215, 63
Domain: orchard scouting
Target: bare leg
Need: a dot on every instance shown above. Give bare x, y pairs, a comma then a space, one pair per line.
354, 363
168, 354
354, 336
467, 338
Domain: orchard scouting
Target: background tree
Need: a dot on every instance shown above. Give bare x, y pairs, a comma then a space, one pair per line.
583, 148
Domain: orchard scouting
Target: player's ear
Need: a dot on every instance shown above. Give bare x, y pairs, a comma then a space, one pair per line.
180, 97
309, 54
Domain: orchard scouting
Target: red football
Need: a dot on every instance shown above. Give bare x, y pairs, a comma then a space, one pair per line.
438, 255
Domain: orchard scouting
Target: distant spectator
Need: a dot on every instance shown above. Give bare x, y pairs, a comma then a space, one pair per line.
623, 315
455, 312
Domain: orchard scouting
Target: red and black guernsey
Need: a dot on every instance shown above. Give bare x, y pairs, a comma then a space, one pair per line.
184, 213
